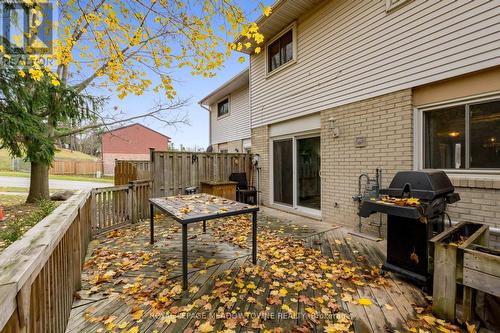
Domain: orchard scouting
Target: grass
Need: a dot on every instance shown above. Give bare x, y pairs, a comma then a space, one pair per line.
11, 200
21, 219
60, 177
62, 154
23, 189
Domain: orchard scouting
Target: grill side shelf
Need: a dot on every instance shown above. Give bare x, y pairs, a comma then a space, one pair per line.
369, 207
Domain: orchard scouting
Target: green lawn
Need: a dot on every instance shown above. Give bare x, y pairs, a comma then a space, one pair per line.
62, 154
61, 177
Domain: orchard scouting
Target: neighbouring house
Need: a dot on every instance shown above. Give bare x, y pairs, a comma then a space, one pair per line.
130, 142
342, 87
229, 108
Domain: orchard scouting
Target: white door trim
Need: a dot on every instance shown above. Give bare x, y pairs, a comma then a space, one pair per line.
294, 137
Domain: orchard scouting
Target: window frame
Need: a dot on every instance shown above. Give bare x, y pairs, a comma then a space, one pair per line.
419, 132
293, 28
228, 97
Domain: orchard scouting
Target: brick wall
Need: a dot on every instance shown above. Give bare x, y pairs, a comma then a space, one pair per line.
386, 123
480, 201
108, 160
260, 145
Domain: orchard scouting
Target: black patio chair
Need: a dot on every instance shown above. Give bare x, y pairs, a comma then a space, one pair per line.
244, 193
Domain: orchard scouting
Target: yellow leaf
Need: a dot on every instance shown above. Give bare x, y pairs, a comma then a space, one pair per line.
137, 314
470, 328
134, 329
364, 301
283, 292
266, 11
257, 50
241, 60
429, 319
310, 310
123, 325
206, 327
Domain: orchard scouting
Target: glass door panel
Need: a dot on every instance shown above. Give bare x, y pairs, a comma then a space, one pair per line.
283, 171
308, 173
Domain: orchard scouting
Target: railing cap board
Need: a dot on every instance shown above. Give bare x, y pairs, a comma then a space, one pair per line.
110, 189
21, 262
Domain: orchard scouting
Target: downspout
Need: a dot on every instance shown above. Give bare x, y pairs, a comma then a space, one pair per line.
209, 123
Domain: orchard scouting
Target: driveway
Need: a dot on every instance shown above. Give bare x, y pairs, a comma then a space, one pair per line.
53, 183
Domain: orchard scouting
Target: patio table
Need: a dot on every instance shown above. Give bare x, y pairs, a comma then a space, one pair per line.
187, 209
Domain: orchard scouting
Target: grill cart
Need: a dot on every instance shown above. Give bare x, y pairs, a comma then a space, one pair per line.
410, 227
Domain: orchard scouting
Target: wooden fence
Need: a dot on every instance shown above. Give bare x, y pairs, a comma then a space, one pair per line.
75, 167
127, 171
116, 206
172, 172
40, 272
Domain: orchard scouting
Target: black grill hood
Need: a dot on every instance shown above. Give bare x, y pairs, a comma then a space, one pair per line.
425, 185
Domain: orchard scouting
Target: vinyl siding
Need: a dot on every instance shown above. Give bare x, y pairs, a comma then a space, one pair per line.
353, 50
236, 125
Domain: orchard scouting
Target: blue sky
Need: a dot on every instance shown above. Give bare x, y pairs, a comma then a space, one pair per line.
188, 87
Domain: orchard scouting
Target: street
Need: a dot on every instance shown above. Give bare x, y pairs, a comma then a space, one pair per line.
53, 183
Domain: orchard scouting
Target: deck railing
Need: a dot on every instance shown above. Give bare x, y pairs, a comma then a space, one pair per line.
116, 206
40, 272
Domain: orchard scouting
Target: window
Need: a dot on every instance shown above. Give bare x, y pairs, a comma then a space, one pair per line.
463, 137
280, 51
223, 108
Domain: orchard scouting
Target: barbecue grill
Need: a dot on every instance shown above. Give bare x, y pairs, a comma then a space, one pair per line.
409, 228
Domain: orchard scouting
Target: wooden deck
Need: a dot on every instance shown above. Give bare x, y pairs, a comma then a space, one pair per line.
308, 278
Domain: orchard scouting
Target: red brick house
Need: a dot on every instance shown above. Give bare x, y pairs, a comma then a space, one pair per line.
130, 142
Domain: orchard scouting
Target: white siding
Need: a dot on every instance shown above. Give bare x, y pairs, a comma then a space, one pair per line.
235, 126
352, 50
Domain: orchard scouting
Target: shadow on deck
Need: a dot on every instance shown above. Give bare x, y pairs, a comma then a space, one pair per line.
309, 279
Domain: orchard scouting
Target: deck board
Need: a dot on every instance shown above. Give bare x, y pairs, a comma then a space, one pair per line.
213, 259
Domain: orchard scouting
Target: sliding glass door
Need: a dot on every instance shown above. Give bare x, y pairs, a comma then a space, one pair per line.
283, 171
308, 173
296, 172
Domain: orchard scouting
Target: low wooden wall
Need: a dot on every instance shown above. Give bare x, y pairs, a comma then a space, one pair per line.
172, 172
40, 272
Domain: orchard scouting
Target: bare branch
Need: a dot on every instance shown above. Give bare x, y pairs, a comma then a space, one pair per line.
151, 113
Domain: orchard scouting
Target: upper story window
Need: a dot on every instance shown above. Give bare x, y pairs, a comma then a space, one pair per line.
281, 50
464, 136
223, 108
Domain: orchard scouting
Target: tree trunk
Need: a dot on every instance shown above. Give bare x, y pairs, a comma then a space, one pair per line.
39, 182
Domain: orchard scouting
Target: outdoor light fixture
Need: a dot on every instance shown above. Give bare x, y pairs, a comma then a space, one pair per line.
333, 127
453, 134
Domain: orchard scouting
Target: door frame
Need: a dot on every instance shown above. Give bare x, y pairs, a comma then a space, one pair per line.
294, 137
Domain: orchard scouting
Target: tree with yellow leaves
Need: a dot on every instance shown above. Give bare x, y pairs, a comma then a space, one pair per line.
128, 48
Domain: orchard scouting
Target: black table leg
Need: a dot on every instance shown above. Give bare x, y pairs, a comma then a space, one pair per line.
254, 238
184, 257
151, 223
204, 226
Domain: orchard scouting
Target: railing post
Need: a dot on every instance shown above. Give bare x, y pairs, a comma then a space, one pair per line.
93, 212
131, 203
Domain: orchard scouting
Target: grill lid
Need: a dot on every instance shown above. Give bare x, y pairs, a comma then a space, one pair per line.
425, 185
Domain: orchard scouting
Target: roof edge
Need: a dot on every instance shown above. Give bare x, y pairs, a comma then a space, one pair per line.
246, 71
